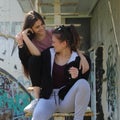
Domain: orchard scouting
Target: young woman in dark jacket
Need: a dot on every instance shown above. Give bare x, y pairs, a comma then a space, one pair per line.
64, 87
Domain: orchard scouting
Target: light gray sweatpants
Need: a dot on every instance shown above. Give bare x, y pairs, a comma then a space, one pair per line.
76, 100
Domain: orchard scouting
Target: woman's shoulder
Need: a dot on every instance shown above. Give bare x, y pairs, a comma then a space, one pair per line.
49, 31
47, 50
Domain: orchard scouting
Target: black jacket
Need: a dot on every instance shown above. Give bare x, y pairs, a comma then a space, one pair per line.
47, 58
24, 56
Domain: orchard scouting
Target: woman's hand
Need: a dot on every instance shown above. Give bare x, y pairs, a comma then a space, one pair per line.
19, 39
31, 47
26, 32
74, 72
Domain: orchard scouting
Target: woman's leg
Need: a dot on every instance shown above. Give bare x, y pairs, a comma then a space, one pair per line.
34, 71
77, 99
36, 91
44, 109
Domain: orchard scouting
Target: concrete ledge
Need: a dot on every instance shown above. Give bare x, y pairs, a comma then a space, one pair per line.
70, 114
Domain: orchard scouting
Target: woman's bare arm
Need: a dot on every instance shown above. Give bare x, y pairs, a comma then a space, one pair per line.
83, 62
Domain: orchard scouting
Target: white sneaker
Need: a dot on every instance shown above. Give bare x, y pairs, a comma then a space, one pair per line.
88, 109
30, 108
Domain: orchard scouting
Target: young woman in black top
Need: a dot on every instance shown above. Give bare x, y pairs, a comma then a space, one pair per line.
64, 86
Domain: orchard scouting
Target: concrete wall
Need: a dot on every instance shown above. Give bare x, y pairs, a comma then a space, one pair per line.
13, 95
105, 29
9, 10
11, 17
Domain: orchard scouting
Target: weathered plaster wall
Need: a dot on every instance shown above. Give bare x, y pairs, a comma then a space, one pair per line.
13, 93
105, 30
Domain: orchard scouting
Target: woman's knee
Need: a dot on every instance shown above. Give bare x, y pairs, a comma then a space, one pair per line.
83, 84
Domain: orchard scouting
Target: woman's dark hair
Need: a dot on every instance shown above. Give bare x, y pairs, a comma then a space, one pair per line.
30, 19
68, 34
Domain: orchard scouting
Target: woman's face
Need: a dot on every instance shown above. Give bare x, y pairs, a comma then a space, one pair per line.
38, 27
57, 44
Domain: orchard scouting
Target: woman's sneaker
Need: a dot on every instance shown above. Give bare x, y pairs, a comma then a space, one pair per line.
88, 109
30, 108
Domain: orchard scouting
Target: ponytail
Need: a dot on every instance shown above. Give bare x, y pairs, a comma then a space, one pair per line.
68, 34
75, 37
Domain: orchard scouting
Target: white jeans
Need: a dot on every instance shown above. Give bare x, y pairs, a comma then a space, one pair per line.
76, 100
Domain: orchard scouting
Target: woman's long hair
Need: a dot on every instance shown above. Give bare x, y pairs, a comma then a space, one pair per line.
30, 19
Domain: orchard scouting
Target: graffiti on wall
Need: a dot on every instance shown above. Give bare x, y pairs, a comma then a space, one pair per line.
13, 96
112, 82
99, 82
